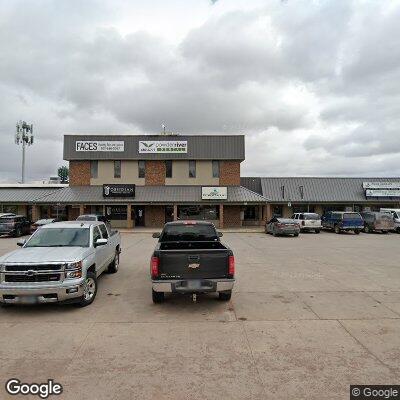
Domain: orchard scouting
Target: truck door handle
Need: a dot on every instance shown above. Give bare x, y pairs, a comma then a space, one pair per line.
193, 258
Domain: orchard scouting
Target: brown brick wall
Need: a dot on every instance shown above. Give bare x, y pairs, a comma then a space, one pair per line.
155, 173
154, 216
231, 216
229, 173
79, 173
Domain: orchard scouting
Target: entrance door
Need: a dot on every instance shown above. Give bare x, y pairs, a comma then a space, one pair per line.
139, 215
169, 213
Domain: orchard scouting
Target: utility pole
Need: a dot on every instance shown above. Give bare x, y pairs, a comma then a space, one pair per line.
24, 136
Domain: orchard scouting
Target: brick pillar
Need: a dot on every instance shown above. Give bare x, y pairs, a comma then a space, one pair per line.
267, 212
155, 173
221, 216
129, 222
35, 213
260, 215
175, 212
81, 209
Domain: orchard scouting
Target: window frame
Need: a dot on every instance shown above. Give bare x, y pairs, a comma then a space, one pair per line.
215, 169
94, 169
168, 168
192, 169
117, 166
141, 168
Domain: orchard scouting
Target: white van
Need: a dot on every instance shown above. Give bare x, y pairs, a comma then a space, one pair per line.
396, 216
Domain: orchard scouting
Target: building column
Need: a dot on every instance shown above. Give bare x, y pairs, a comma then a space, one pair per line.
35, 213
267, 212
221, 216
175, 212
260, 215
81, 209
129, 222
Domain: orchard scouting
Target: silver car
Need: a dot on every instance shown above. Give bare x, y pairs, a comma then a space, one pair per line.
282, 226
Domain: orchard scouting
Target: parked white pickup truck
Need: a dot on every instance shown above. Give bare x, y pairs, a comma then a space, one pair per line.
60, 262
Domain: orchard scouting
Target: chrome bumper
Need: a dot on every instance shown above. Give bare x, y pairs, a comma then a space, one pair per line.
19, 293
193, 286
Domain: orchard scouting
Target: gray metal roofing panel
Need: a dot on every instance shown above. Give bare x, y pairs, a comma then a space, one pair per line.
150, 194
253, 184
200, 147
321, 189
24, 195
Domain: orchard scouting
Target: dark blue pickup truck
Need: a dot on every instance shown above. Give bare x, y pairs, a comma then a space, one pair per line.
343, 221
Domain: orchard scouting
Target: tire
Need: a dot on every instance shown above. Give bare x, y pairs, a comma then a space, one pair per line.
317, 231
398, 230
274, 233
114, 266
90, 289
366, 229
385, 232
158, 297
357, 231
296, 234
18, 232
225, 296
336, 229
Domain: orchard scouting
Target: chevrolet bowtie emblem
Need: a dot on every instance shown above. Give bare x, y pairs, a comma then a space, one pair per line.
194, 266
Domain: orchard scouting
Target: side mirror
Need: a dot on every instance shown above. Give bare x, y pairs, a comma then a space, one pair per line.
100, 242
21, 243
156, 235
220, 234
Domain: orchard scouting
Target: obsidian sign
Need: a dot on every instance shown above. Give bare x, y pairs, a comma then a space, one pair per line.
118, 190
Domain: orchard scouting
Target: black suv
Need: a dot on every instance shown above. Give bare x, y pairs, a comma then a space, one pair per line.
16, 225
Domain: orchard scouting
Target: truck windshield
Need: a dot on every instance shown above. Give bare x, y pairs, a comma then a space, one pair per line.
189, 232
60, 237
313, 217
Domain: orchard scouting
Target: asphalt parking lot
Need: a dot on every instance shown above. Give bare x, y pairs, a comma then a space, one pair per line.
309, 316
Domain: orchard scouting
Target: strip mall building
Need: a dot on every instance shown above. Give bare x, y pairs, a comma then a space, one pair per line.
149, 180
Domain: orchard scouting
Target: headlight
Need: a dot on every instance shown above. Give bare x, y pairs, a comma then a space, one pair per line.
73, 270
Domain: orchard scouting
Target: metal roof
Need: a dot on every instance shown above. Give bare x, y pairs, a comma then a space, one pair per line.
316, 189
149, 194
24, 195
199, 147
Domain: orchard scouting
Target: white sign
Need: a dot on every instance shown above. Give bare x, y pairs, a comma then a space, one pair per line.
382, 193
163, 146
214, 193
381, 185
99, 145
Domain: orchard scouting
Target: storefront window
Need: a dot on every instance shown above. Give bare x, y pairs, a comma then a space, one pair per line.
10, 209
277, 211
198, 212
215, 169
94, 168
192, 169
116, 212
168, 168
142, 168
251, 212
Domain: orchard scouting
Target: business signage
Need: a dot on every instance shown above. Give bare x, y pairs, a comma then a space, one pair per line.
163, 146
381, 185
100, 145
382, 193
118, 190
214, 193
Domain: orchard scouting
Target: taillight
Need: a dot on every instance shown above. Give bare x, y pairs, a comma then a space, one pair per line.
154, 265
231, 269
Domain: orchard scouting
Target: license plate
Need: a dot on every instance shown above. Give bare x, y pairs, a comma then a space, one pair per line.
29, 299
193, 284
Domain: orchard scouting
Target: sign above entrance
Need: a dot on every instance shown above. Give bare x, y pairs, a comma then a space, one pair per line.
381, 185
214, 193
118, 190
382, 193
163, 146
100, 145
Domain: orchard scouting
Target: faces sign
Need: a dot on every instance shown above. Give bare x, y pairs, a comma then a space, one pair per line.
118, 190
163, 146
214, 193
100, 145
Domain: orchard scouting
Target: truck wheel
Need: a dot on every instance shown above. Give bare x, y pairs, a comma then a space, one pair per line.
337, 229
357, 231
225, 296
89, 291
158, 297
18, 232
296, 234
398, 230
274, 233
317, 231
366, 229
113, 267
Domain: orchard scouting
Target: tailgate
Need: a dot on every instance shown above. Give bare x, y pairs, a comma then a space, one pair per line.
193, 264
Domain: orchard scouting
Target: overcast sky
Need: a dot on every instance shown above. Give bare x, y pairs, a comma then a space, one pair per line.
314, 85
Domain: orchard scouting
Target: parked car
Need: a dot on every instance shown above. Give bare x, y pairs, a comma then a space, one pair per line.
308, 221
95, 217
282, 226
190, 258
7, 215
395, 213
15, 225
42, 222
343, 221
59, 262
377, 222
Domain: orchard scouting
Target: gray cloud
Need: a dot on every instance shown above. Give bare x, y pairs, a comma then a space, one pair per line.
316, 83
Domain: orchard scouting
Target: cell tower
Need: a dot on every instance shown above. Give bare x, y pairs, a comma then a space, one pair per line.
24, 136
